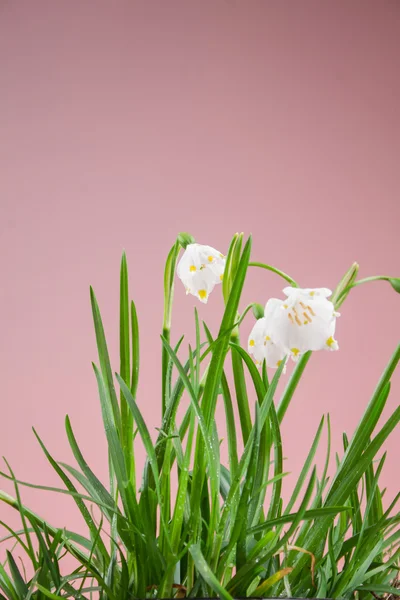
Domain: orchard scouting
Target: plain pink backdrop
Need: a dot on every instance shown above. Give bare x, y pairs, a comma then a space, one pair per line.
123, 123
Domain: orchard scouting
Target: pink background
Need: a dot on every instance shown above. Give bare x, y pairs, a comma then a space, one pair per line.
123, 123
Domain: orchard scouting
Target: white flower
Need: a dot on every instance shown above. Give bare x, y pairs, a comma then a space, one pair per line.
261, 346
306, 320
200, 269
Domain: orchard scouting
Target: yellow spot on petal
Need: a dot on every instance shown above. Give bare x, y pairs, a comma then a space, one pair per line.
285, 306
295, 351
202, 294
192, 268
267, 338
221, 255
251, 343
210, 258
312, 294
221, 277
278, 363
330, 342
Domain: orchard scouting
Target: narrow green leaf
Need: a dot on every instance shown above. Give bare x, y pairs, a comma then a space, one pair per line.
306, 467
206, 573
116, 453
101, 492
20, 585
70, 487
309, 515
104, 359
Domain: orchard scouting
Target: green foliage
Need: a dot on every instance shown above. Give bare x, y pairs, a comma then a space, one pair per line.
223, 530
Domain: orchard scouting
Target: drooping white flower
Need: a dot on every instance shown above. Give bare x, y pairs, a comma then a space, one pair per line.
200, 269
261, 345
306, 320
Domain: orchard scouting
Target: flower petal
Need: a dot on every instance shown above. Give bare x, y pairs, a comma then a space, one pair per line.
311, 292
256, 341
303, 322
200, 269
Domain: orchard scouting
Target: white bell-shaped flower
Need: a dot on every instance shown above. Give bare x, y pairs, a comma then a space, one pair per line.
200, 269
261, 346
305, 321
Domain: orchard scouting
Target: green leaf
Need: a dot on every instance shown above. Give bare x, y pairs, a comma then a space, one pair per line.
379, 589
241, 391
33, 517
47, 593
135, 349
16, 535
124, 329
105, 365
230, 425
306, 467
70, 486
102, 494
20, 585
169, 276
148, 444
209, 447
229, 416
206, 573
21, 510
7, 586
116, 453
309, 515
344, 484
125, 366
222, 342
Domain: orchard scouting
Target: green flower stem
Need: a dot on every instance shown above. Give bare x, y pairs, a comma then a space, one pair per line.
169, 275
274, 270
292, 385
360, 282
244, 313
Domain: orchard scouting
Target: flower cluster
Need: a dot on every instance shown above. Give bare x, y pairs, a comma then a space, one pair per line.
304, 321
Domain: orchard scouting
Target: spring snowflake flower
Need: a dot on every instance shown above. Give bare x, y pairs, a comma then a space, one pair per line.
260, 343
200, 269
305, 321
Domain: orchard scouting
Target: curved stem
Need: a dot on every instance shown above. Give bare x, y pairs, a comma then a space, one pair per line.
274, 270
244, 313
360, 281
